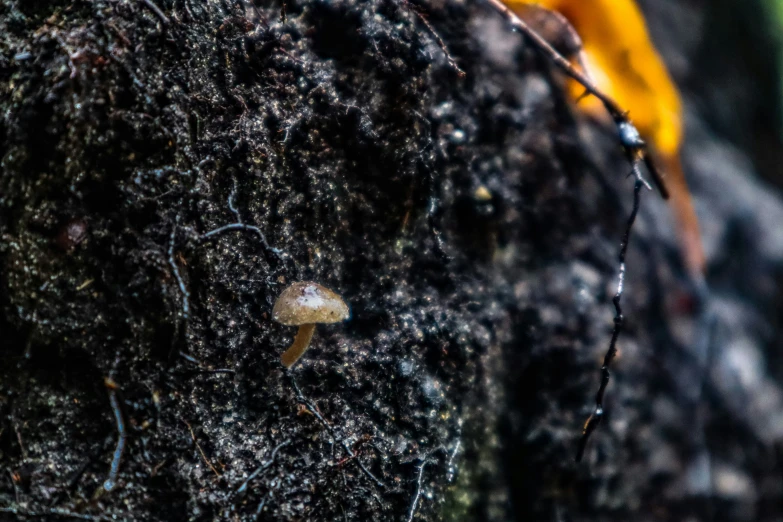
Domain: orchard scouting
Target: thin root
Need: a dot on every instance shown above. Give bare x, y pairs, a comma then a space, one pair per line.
329, 429
201, 451
417, 496
175, 269
271, 460
244, 228
110, 483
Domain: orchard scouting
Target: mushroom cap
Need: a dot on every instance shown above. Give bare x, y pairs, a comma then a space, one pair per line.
306, 302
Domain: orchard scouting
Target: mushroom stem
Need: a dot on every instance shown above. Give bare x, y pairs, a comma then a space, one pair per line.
298, 347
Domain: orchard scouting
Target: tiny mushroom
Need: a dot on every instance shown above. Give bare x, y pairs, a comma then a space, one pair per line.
304, 304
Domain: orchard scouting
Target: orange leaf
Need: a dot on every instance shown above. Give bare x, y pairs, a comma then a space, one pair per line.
624, 64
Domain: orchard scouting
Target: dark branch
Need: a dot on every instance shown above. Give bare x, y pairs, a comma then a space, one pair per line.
598, 414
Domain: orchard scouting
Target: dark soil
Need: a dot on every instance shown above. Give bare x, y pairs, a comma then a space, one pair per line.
471, 222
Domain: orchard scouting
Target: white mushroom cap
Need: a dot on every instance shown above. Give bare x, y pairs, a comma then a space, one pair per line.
306, 302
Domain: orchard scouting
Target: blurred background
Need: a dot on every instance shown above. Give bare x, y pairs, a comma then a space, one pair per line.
726, 57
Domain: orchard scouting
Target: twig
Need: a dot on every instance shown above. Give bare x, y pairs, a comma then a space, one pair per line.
559, 60
262, 467
595, 419
573, 40
635, 151
620, 116
111, 482
328, 428
182, 288
417, 496
201, 451
53, 512
155, 9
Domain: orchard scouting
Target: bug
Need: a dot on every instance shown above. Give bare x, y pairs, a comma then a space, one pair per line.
608, 40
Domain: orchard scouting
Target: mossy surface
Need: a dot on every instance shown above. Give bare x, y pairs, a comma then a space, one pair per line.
342, 132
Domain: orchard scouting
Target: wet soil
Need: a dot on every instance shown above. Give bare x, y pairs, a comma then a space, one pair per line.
468, 217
